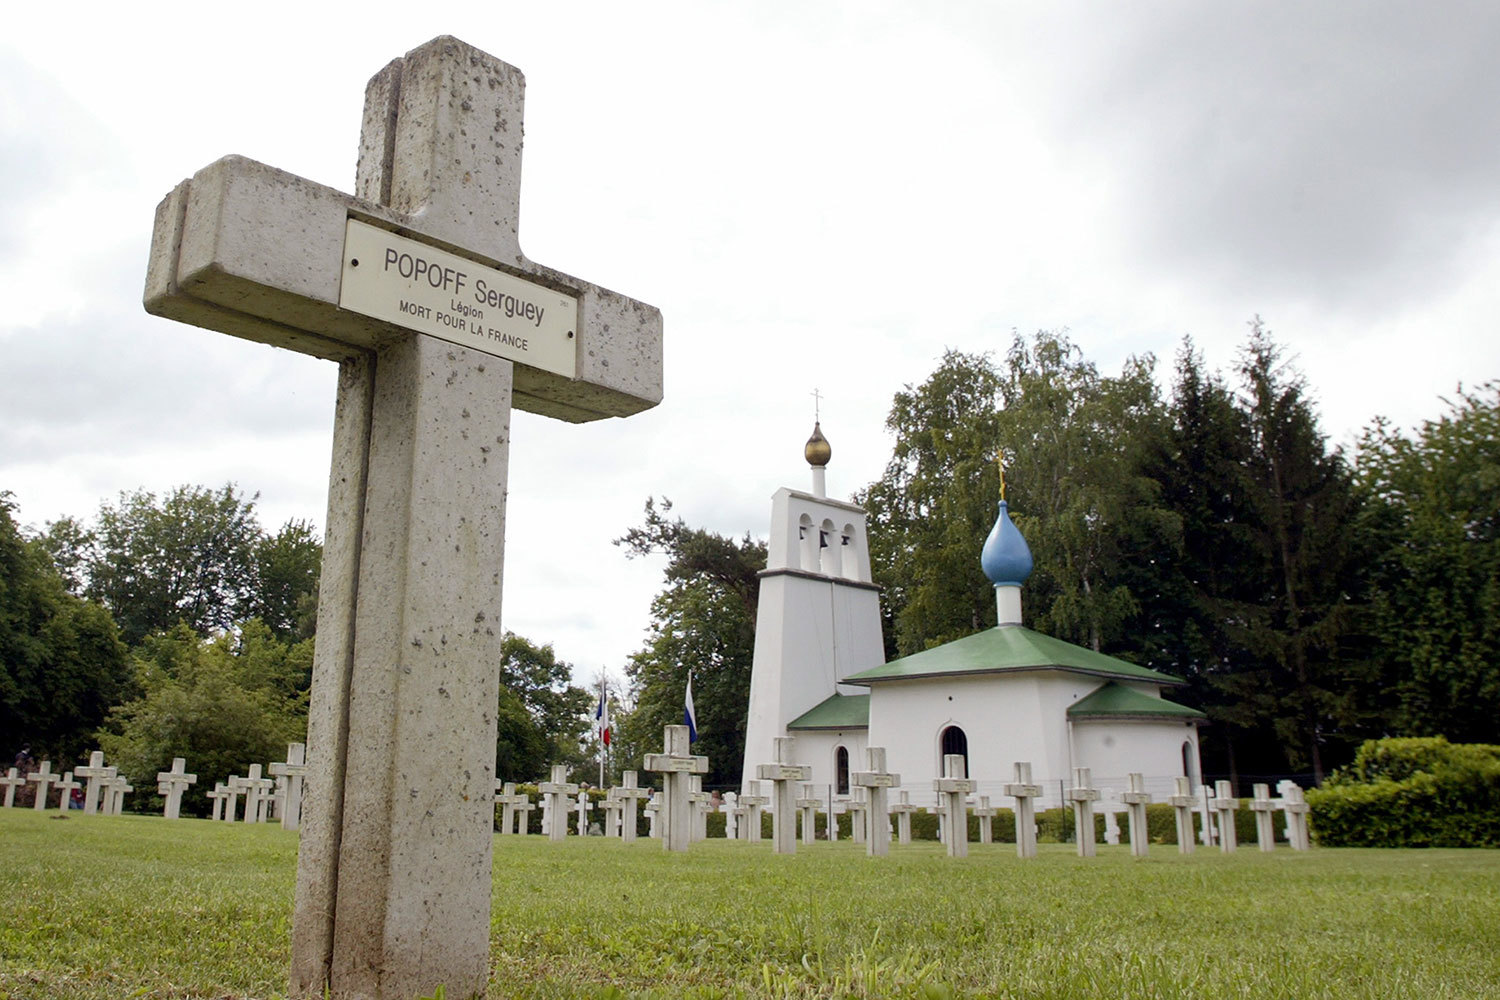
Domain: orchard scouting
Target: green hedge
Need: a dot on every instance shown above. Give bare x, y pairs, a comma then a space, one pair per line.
1412, 792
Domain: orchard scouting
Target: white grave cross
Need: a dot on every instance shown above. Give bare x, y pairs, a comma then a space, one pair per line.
65, 789
1265, 826
986, 814
752, 802
629, 794
782, 775
508, 798
1136, 799
1083, 796
43, 778
675, 764
952, 790
1025, 793
902, 809
1182, 808
220, 793
417, 286
555, 798
172, 784
11, 781
96, 772
808, 805
878, 782
1225, 804
702, 802
292, 770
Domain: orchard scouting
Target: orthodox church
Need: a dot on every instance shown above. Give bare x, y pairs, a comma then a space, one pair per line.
999, 696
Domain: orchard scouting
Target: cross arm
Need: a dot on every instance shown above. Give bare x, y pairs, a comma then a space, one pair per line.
256, 252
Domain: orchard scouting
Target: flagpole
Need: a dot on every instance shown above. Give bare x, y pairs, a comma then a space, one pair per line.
603, 693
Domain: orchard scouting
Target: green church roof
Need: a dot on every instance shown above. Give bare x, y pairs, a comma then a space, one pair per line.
1114, 700
1006, 648
841, 711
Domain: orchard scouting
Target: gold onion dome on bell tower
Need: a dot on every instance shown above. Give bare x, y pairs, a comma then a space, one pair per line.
818, 451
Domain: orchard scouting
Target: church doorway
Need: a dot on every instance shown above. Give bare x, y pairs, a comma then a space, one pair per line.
841, 771
954, 740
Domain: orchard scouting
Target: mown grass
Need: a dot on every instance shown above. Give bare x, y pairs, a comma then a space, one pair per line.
140, 907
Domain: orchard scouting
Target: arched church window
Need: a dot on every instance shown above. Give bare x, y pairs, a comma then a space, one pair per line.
841, 771
1187, 760
954, 740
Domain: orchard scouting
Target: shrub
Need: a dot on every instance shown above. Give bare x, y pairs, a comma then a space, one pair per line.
1422, 792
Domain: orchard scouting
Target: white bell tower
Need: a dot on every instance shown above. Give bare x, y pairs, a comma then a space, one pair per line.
819, 614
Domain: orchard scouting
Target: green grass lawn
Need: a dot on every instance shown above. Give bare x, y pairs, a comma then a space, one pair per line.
141, 907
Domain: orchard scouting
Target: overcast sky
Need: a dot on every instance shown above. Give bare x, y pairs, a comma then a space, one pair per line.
814, 194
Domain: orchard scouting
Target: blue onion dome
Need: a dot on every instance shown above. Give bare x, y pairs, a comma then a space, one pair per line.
1006, 557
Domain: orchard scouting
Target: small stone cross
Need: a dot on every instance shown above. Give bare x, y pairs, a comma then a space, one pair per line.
836, 809
653, 812
1225, 804
782, 775
808, 805
859, 813
732, 812
115, 789
902, 810
1295, 806
43, 778
1182, 802
877, 782
629, 793
1265, 826
95, 773
1136, 799
612, 806
523, 807
508, 799
293, 771
1083, 795
583, 807
1025, 793
11, 781
1206, 814
257, 795
675, 763
702, 802
986, 814
952, 789
555, 794
753, 802
218, 797
65, 789
172, 784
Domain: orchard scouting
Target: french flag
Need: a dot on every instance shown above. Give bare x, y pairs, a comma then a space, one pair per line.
601, 716
689, 716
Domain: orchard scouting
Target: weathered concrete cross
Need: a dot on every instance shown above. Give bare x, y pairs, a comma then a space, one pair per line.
1294, 804
1265, 826
172, 784
508, 798
1025, 793
1136, 799
1083, 795
878, 782
629, 793
902, 809
1225, 805
675, 764
782, 775
416, 285
11, 781
65, 789
96, 772
754, 803
43, 778
583, 808
952, 788
218, 796
555, 798
292, 770
1182, 801
986, 814
808, 805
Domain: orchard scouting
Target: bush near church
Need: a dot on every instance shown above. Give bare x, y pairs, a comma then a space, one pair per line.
1412, 792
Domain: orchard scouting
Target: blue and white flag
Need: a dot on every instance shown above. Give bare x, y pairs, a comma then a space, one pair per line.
690, 717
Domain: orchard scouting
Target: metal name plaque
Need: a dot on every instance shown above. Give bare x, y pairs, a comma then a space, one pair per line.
441, 294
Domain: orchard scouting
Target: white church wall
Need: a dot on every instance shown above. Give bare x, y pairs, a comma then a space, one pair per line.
1112, 749
819, 748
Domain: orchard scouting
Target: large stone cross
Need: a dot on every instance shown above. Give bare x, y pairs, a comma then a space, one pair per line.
416, 285
675, 763
878, 782
782, 775
173, 783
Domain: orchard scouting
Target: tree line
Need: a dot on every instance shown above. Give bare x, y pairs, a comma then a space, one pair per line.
175, 625
1310, 597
